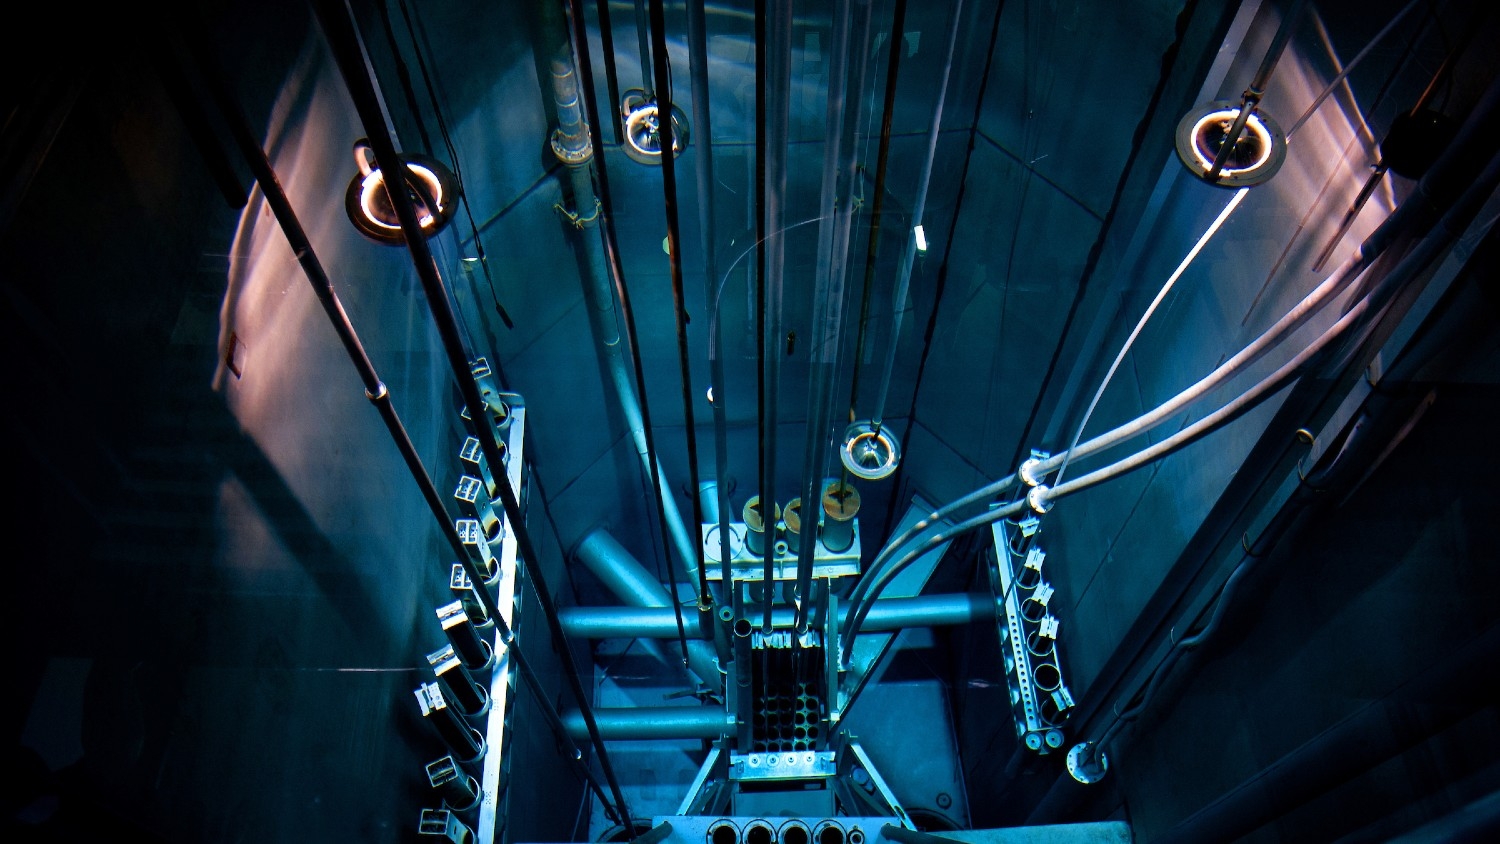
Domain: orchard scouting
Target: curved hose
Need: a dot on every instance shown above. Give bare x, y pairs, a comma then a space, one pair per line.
1294, 318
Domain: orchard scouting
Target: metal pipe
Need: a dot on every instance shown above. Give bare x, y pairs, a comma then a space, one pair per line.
572, 145
629, 581
828, 300
375, 389
909, 253
577, 117
703, 159
674, 258
651, 723
774, 119
343, 38
840, 505
887, 614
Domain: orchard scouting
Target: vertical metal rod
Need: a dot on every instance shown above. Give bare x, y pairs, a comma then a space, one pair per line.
828, 300
1257, 87
585, 74
909, 254
375, 389
643, 42
767, 473
779, 80
704, 160
882, 160
674, 257
611, 74
338, 27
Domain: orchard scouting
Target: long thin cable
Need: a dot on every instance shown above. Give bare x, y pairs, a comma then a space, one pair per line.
585, 67
1141, 323
1349, 68
458, 172
914, 226
1310, 305
674, 259
611, 74
882, 160
375, 389
342, 35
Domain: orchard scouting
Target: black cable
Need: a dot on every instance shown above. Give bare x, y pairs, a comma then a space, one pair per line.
458, 173
627, 313
611, 75
403, 74
342, 35
375, 389
767, 483
882, 159
674, 259
1096, 252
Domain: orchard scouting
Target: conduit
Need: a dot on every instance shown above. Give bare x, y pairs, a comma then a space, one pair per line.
570, 143
1410, 220
1041, 497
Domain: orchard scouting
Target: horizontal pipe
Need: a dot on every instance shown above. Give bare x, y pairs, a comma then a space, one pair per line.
931, 611
624, 576
889, 614
654, 722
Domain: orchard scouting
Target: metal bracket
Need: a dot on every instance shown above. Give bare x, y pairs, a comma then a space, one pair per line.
797, 765
879, 782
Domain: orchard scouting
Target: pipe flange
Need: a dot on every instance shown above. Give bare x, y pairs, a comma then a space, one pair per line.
1028, 472
869, 452
571, 156
1038, 500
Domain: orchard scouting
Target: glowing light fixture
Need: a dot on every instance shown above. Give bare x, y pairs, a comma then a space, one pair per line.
643, 127
1255, 157
921, 239
432, 187
869, 452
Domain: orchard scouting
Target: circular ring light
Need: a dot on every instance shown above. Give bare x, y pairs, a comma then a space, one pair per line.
869, 453
643, 128
432, 187
1087, 765
1257, 155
